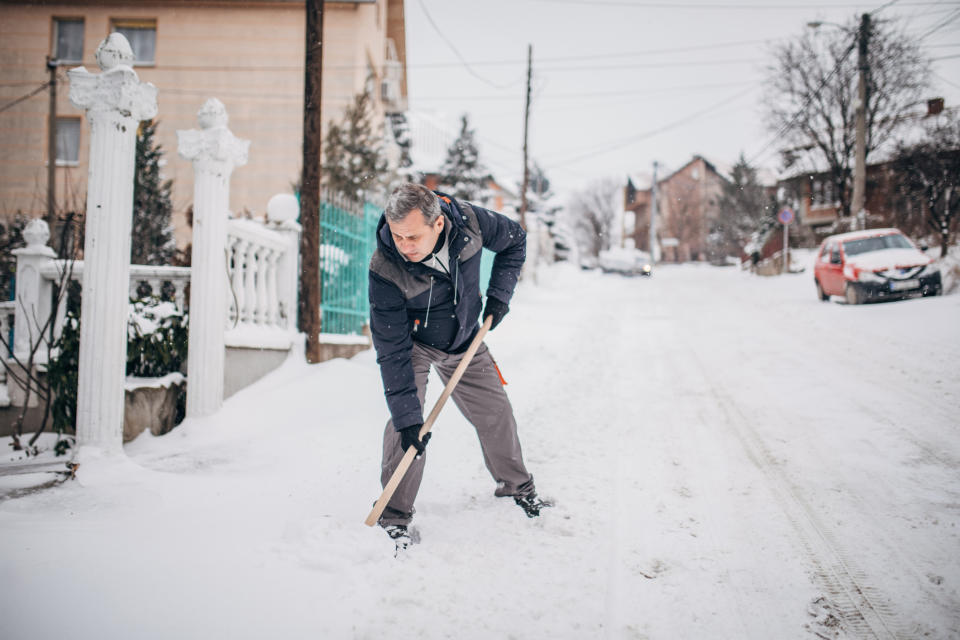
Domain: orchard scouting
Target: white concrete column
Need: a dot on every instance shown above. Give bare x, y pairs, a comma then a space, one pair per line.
214, 151
33, 293
282, 212
115, 102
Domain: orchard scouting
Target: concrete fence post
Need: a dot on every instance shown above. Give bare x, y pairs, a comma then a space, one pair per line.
32, 302
115, 102
282, 212
214, 151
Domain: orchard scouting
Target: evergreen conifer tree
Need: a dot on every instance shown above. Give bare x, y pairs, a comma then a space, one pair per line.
462, 174
152, 241
354, 162
543, 204
743, 208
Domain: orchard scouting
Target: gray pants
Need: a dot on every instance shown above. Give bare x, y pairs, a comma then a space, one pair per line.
480, 397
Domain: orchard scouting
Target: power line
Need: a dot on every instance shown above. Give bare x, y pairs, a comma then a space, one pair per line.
24, 97
950, 18
466, 65
597, 94
942, 79
647, 134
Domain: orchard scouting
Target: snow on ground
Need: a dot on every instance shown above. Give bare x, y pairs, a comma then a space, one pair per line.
731, 458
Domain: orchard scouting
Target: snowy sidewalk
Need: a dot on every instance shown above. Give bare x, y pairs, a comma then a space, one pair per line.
730, 458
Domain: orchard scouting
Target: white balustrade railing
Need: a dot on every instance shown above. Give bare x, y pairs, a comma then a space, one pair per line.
261, 306
261, 264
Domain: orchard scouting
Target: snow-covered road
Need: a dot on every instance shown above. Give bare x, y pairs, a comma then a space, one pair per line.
730, 459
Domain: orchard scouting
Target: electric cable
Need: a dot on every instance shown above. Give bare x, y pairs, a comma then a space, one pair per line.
466, 65
24, 97
647, 134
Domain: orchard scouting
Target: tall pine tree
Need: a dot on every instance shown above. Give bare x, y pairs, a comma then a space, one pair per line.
462, 174
354, 161
152, 240
744, 208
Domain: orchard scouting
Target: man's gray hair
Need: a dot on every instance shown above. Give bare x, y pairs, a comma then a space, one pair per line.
409, 196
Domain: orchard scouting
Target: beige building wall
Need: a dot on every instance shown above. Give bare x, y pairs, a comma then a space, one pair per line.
248, 54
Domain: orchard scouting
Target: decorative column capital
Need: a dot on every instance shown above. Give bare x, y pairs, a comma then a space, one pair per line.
36, 234
212, 146
117, 89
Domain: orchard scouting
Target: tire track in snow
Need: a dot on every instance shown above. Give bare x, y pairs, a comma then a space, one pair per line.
862, 608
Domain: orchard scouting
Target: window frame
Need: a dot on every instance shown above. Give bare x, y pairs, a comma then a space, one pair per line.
138, 23
55, 44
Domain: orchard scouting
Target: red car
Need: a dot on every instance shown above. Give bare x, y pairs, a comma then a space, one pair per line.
874, 264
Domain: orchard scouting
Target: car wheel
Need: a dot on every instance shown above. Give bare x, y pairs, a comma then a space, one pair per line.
820, 294
852, 295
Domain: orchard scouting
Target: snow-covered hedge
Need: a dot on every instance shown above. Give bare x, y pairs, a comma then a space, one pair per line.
156, 346
156, 339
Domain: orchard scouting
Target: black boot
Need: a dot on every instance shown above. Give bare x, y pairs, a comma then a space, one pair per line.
401, 536
531, 504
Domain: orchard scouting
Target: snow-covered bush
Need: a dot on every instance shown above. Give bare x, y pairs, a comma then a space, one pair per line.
156, 346
156, 339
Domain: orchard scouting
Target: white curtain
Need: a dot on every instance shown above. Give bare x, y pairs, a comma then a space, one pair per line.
68, 140
143, 41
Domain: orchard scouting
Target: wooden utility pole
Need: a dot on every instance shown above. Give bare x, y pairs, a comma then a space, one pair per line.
526, 125
52, 147
860, 153
310, 183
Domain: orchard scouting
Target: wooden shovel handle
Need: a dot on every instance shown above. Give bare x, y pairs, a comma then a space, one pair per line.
411, 452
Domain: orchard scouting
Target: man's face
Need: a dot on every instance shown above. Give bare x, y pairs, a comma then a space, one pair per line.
415, 238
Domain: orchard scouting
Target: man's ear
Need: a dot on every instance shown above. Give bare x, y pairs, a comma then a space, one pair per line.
442, 222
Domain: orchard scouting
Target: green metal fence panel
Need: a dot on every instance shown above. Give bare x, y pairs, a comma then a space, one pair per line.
486, 266
348, 239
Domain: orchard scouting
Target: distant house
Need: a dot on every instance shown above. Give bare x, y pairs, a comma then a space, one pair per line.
815, 199
687, 200
249, 54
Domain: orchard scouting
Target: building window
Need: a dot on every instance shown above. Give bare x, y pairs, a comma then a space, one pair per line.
68, 141
68, 40
142, 36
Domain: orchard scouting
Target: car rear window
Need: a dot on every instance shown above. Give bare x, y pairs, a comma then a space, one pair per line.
876, 243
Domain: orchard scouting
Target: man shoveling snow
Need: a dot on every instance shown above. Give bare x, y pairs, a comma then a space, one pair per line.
424, 303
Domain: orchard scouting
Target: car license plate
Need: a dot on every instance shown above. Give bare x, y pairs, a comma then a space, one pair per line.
903, 285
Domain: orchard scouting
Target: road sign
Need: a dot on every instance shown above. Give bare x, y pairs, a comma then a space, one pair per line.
785, 216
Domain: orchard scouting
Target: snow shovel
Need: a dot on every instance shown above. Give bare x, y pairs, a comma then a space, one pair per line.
411, 452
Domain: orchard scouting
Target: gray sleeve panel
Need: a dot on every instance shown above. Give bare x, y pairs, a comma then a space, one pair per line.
472, 231
411, 285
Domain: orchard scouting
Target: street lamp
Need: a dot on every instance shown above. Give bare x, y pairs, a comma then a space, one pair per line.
860, 149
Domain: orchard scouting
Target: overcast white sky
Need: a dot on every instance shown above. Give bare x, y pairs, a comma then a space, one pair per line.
621, 83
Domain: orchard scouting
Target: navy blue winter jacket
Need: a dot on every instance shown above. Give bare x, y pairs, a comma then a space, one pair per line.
410, 301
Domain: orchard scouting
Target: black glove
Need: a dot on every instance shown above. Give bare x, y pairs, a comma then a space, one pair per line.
496, 309
410, 437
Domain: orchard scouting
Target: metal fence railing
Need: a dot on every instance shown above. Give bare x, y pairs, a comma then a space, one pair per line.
348, 239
